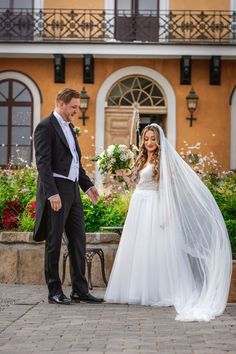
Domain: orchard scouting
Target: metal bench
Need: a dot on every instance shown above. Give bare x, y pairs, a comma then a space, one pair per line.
90, 253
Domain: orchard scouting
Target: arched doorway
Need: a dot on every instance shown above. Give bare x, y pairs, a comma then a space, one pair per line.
105, 88
137, 91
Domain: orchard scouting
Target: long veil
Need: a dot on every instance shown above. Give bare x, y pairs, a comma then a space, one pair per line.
199, 254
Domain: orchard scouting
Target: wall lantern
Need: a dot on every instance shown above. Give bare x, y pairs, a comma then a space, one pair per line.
59, 68
84, 101
192, 101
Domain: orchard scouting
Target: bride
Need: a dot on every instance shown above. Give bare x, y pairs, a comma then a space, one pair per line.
174, 248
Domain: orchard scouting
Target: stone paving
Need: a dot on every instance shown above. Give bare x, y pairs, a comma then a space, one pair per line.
28, 324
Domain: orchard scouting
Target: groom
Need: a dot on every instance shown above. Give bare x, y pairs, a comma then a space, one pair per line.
58, 206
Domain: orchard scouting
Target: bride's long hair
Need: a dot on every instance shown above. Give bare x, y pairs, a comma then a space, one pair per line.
142, 156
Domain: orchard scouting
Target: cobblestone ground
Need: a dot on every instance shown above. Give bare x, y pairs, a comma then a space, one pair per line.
28, 324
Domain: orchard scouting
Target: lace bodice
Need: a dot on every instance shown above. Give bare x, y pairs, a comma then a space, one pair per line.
146, 181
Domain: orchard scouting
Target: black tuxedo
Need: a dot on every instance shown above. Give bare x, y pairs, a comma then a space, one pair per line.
53, 155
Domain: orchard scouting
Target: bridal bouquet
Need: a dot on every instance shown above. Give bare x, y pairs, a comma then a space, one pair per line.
116, 157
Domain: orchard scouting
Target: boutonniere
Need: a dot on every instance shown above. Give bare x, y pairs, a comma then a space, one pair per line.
77, 130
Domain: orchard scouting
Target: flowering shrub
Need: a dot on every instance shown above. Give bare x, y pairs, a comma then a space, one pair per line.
115, 157
15, 185
18, 192
111, 210
205, 166
31, 209
11, 213
27, 219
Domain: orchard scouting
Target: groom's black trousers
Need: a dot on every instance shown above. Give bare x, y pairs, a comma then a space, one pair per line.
71, 219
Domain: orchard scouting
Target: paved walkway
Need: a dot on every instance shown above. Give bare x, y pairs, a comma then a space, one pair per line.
28, 324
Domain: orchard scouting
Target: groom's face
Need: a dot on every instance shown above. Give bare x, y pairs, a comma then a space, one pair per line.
69, 110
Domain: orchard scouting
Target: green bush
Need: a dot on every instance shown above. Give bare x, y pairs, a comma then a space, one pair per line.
224, 192
92, 213
231, 227
111, 209
26, 222
116, 208
19, 184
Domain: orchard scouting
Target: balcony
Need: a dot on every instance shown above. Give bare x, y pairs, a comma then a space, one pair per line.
103, 26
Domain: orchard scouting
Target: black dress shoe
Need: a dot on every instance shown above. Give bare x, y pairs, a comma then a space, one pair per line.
60, 299
85, 298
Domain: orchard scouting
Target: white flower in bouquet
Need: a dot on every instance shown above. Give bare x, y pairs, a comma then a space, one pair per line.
115, 157
123, 157
110, 149
130, 154
123, 147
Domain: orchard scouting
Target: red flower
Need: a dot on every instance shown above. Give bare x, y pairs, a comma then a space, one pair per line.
10, 214
32, 209
10, 222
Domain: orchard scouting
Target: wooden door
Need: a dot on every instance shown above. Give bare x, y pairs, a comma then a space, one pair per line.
118, 121
117, 125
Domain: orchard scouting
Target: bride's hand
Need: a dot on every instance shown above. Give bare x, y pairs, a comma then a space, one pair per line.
120, 172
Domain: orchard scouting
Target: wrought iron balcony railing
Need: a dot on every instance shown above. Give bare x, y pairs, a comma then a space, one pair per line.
188, 27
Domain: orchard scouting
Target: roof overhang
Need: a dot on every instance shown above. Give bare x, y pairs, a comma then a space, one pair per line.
115, 50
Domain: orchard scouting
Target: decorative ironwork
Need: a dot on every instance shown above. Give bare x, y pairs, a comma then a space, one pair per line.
124, 26
136, 89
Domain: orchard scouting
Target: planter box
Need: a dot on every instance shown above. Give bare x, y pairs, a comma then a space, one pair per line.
22, 259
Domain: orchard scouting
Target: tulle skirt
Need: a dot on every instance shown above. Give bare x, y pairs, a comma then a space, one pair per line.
174, 249
150, 267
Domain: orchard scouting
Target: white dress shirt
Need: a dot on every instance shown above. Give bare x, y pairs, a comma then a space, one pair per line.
74, 167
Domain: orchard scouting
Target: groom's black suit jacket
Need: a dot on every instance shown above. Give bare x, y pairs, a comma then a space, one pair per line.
52, 155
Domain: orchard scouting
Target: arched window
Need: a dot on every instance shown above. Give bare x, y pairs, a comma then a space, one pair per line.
16, 123
136, 89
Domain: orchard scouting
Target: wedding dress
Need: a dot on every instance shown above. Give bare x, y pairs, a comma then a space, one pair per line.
174, 248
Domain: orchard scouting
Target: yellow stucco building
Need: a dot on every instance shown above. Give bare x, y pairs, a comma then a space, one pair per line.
144, 54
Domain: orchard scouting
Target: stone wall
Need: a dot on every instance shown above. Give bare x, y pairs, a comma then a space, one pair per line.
22, 259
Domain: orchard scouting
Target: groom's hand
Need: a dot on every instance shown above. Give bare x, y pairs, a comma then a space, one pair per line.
55, 202
93, 194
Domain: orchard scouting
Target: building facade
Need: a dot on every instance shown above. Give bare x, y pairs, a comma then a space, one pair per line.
127, 54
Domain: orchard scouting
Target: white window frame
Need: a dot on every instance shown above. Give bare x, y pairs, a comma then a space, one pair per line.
7, 75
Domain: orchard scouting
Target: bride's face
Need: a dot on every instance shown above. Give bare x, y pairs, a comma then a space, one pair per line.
150, 141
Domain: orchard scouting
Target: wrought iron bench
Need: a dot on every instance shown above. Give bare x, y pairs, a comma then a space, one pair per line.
90, 253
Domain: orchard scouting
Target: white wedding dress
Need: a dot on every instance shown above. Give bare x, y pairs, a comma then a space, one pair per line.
140, 271
174, 248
